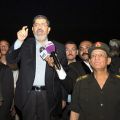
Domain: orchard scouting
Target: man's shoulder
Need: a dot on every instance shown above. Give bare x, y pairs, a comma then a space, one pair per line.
28, 42
76, 66
60, 48
81, 78
57, 43
77, 63
4, 67
117, 76
30, 39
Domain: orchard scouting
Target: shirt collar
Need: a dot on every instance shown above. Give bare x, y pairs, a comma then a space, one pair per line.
38, 44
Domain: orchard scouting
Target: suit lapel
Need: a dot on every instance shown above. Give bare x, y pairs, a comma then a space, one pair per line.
48, 74
86, 68
33, 61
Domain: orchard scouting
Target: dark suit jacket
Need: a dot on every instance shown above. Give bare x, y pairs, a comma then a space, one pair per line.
1, 96
114, 66
7, 89
75, 70
27, 59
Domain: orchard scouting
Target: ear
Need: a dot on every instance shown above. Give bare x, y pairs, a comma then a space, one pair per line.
77, 52
109, 61
89, 61
49, 29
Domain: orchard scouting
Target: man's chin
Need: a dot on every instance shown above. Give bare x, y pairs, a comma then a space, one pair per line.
40, 37
85, 58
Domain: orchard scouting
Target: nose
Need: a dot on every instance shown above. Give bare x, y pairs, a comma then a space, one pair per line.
70, 51
3, 47
85, 50
97, 57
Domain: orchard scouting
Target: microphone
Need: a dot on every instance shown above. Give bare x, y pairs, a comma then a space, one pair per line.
43, 53
50, 48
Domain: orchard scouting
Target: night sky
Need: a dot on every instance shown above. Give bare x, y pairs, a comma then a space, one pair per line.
73, 20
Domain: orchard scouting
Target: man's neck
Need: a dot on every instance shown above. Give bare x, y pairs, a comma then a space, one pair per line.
71, 61
101, 77
42, 41
3, 60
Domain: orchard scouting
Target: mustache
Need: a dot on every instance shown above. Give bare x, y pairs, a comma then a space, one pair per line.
85, 54
39, 30
70, 55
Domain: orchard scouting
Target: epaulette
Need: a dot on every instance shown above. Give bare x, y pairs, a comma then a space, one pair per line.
81, 77
118, 76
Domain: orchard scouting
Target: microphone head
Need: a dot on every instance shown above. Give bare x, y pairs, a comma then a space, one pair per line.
50, 47
43, 53
41, 49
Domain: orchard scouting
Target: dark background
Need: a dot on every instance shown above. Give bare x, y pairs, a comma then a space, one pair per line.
70, 19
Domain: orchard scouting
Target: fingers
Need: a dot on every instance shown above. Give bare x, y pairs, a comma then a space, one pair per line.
50, 61
23, 33
24, 27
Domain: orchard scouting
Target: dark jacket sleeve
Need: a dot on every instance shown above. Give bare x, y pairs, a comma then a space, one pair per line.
13, 55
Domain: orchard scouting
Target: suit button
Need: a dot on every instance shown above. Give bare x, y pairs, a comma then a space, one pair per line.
101, 104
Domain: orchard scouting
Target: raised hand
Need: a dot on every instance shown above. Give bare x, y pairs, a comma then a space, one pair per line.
22, 34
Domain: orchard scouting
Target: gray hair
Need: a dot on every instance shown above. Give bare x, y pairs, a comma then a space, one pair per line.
41, 17
114, 47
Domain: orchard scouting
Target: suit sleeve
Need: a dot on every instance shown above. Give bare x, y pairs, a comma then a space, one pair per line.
70, 79
13, 55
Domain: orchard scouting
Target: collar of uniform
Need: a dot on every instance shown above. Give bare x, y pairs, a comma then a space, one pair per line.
110, 78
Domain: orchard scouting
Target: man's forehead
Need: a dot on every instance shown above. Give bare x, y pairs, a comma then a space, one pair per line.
98, 51
86, 43
38, 20
4, 42
70, 45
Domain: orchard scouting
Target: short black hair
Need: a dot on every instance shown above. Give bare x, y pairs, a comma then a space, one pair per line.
71, 42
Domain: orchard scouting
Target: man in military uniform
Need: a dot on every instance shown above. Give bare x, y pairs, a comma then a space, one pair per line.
96, 96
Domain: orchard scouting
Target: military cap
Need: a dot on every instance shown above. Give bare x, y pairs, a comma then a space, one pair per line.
101, 46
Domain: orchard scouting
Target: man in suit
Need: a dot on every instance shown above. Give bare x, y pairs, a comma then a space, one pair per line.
38, 90
83, 54
80, 67
71, 51
6, 91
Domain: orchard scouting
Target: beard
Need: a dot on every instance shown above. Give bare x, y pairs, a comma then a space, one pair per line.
40, 38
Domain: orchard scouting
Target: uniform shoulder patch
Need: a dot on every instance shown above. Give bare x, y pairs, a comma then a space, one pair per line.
118, 76
81, 77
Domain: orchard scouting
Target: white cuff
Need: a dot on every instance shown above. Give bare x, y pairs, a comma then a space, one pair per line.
61, 73
17, 44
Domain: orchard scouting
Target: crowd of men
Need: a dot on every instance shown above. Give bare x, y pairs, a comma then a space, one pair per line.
42, 79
